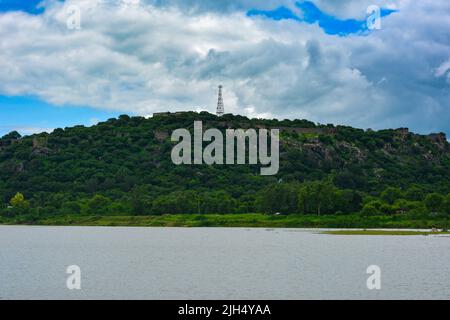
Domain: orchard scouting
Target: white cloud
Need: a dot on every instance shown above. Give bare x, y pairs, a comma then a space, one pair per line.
144, 58
443, 70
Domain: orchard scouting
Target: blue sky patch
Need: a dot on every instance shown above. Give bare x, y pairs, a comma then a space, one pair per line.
30, 6
29, 115
310, 14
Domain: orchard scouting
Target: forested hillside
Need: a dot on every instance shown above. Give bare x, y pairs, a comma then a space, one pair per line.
123, 166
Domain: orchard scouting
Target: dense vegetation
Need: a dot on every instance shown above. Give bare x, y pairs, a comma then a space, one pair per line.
123, 167
235, 220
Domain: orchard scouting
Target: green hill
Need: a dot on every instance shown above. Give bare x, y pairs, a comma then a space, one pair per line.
123, 166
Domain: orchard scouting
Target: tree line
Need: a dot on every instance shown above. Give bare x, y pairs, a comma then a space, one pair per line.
308, 198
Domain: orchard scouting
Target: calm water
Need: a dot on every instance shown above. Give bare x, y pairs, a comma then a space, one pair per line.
169, 263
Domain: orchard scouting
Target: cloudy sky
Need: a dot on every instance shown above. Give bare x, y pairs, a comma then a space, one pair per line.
276, 59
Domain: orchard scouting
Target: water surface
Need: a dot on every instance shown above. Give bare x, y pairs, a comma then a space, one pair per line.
218, 263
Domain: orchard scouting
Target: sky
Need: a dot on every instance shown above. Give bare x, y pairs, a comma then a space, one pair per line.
314, 60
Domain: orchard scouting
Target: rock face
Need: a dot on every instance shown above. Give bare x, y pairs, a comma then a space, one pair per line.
440, 140
40, 146
403, 133
438, 137
20, 167
161, 135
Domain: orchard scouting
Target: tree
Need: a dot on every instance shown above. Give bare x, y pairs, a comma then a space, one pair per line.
387, 209
98, 204
281, 197
140, 205
178, 202
404, 206
433, 202
216, 202
19, 204
317, 197
446, 205
347, 201
369, 210
390, 195
414, 194
13, 135
71, 207
446, 210
348, 180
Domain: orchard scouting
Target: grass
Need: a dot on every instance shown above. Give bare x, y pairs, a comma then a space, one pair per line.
233, 220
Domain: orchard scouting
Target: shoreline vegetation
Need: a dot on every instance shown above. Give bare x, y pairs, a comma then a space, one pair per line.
245, 221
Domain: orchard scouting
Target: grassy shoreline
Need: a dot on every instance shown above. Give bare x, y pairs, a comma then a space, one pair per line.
232, 220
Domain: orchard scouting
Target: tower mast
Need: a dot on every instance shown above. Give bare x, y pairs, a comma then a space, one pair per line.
220, 106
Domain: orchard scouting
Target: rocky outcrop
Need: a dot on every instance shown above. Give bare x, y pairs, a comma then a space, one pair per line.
161, 135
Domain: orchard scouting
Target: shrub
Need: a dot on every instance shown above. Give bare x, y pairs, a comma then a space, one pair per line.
98, 204
433, 202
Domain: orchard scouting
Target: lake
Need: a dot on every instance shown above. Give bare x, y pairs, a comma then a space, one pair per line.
218, 263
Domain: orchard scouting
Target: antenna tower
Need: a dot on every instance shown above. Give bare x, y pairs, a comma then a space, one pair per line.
220, 107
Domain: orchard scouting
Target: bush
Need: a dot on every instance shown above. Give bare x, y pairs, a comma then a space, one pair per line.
98, 204
369, 210
71, 207
390, 195
19, 204
386, 209
433, 202
446, 205
119, 208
